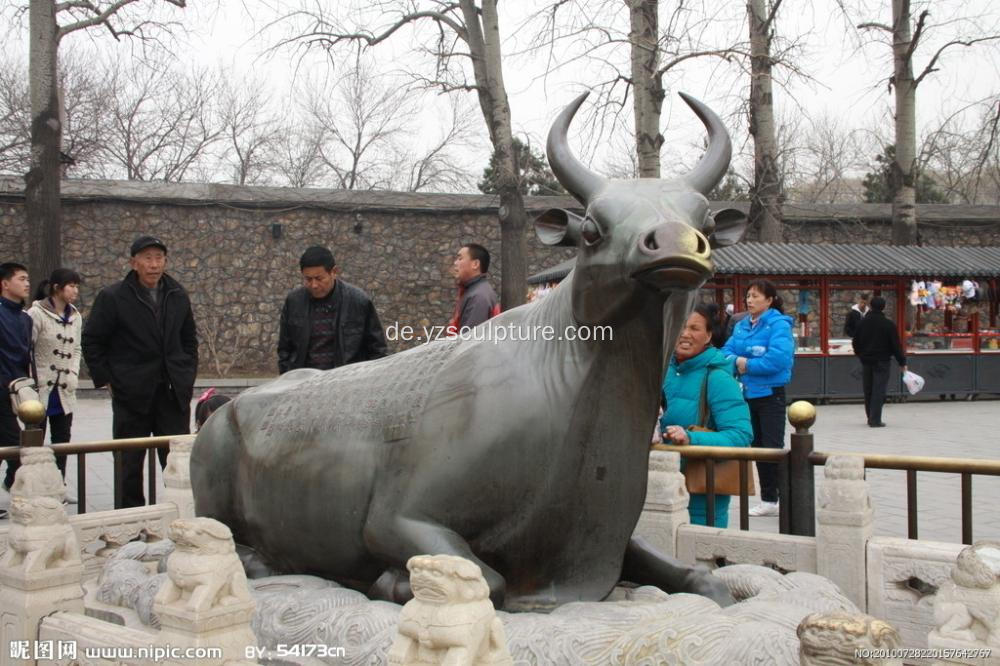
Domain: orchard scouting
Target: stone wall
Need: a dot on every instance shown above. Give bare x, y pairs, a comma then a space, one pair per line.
226, 249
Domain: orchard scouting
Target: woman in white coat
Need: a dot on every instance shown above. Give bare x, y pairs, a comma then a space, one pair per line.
55, 336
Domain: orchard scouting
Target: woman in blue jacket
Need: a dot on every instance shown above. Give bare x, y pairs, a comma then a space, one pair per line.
693, 361
763, 348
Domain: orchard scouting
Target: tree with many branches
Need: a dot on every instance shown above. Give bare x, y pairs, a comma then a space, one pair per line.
465, 36
907, 32
47, 31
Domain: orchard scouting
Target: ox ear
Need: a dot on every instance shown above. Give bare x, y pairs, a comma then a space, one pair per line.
558, 227
730, 225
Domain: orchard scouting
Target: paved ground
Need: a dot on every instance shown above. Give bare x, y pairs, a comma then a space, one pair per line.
952, 429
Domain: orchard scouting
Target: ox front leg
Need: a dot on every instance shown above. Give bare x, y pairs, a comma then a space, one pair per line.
645, 565
402, 538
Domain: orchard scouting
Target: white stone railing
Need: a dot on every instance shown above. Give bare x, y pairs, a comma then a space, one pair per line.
892, 579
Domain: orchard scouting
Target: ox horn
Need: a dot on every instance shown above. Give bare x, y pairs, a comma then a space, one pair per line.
713, 164
578, 180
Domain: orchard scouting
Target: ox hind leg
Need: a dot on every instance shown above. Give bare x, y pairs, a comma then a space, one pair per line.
402, 538
645, 565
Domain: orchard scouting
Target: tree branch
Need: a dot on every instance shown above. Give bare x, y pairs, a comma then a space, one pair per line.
958, 42
332, 38
875, 26
720, 53
917, 34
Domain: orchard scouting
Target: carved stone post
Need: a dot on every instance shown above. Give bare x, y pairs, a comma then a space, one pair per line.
844, 519
206, 601
177, 476
967, 609
666, 507
451, 619
835, 638
41, 570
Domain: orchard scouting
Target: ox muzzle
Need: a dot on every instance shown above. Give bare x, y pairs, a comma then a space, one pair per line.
674, 256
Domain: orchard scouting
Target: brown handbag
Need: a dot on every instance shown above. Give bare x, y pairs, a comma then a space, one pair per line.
727, 472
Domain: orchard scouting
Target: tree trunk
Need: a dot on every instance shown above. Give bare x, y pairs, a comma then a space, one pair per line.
484, 45
647, 85
42, 204
765, 195
903, 171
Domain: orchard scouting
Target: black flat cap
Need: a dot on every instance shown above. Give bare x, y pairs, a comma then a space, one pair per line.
142, 242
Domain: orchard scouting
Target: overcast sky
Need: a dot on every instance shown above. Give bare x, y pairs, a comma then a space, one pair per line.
845, 80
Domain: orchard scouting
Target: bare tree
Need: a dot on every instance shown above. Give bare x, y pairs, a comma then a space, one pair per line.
361, 119
162, 121
42, 202
296, 159
437, 166
250, 130
597, 31
906, 36
962, 159
830, 161
15, 118
765, 194
464, 32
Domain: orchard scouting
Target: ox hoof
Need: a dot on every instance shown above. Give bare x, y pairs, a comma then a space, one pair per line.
393, 585
701, 581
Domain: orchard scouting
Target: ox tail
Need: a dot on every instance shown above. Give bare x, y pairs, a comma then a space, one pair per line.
213, 467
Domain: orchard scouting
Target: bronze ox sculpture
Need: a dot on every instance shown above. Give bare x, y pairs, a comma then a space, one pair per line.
529, 458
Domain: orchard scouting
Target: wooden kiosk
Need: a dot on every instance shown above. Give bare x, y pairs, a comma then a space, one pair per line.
945, 301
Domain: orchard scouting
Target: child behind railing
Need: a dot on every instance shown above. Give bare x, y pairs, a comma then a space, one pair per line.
208, 402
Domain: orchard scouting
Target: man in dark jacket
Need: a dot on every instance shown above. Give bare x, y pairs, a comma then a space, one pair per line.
140, 339
856, 314
875, 340
477, 301
327, 322
15, 354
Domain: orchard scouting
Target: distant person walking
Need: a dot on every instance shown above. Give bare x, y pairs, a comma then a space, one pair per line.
763, 349
856, 314
56, 334
140, 340
327, 323
476, 301
875, 341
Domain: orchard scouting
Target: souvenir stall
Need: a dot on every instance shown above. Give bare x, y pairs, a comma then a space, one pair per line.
944, 300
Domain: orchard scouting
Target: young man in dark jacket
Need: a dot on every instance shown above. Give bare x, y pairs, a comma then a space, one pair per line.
875, 340
140, 340
15, 354
327, 323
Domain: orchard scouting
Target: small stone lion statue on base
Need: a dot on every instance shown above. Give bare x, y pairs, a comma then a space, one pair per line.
967, 607
40, 536
203, 571
450, 620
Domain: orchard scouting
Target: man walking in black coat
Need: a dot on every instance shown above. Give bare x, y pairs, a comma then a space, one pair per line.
875, 341
141, 340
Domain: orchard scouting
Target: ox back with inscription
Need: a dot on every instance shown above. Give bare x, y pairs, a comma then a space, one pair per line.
528, 457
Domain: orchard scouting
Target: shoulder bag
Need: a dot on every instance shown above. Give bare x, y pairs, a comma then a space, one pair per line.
727, 472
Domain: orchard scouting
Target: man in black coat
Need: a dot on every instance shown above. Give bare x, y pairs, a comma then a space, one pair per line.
141, 340
327, 323
875, 341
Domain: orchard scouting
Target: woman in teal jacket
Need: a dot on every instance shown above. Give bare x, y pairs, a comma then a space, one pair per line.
694, 358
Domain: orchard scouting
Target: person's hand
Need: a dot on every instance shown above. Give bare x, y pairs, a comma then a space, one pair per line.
741, 364
676, 435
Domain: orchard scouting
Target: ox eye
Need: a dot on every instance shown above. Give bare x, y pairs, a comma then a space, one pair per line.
590, 232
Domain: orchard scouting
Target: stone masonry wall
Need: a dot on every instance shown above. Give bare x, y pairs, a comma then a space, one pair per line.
397, 247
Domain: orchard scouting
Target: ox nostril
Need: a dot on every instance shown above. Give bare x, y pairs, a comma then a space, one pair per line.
702, 244
650, 241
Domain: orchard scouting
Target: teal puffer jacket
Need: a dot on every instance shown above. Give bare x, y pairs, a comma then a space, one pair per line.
729, 414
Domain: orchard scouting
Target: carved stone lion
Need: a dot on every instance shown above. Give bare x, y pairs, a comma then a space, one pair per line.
40, 536
38, 475
967, 607
451, 619
203, 571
